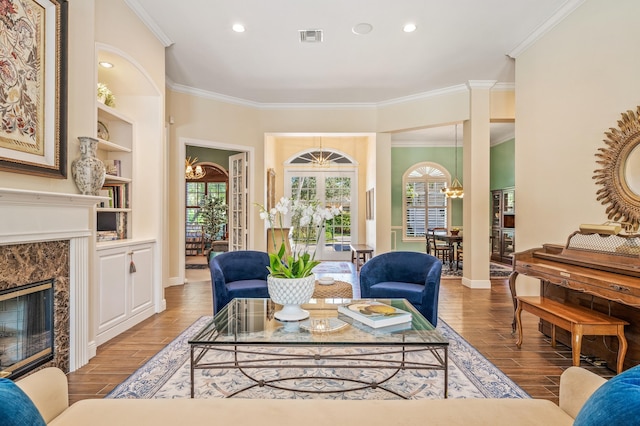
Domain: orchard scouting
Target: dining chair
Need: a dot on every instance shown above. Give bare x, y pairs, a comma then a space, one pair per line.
440, 249
459, 255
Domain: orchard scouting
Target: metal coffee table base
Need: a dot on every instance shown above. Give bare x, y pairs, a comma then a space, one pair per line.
249, 359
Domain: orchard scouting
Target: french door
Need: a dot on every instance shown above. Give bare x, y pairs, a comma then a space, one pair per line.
332, 189
238, 200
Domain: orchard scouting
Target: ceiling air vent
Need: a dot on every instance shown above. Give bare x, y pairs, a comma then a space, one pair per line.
310, 36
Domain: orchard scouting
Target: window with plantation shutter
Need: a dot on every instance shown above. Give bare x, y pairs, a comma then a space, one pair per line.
425, 206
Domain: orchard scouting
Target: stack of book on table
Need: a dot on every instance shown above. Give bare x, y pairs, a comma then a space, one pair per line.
377, 315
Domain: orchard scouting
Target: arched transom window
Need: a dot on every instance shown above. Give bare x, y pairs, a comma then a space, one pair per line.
424, 206
328, 156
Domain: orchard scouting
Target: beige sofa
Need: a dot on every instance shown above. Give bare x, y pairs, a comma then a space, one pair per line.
48, 390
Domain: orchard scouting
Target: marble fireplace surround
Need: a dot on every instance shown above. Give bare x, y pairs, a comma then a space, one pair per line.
22, 264
48, 235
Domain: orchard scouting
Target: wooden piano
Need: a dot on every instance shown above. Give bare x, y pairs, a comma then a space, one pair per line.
601, 272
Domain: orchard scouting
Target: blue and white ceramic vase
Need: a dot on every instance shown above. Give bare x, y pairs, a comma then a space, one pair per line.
88, 171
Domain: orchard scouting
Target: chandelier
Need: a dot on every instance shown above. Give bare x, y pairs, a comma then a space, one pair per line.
320, 158
193, 171
455, 190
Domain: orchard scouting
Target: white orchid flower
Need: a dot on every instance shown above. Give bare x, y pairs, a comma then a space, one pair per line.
304, 221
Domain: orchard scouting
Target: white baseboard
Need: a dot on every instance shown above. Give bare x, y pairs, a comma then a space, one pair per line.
175, 281
476, 284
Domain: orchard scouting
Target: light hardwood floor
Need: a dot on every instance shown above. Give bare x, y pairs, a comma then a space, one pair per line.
482, 317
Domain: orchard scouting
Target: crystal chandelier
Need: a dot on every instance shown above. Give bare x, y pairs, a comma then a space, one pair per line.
455, 190
193, 171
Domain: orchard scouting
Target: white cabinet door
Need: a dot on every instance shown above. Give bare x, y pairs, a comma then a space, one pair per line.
125, 294
142, 279
112, 291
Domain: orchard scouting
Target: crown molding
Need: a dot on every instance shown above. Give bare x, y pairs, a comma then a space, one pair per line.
422, 144
504, 87
424, 95
481, 84
564, 11
188, 90
149, 22
506, 138
442, 144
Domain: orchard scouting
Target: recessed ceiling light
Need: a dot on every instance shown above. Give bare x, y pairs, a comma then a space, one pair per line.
105, 64
239, 28
362, 28
409, 28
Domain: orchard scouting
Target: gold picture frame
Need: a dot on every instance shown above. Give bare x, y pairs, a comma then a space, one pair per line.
33, 131
271, 189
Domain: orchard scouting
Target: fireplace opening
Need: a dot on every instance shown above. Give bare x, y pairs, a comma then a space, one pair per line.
26, 328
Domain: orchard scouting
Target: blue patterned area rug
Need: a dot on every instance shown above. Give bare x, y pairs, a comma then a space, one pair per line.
496, 270
328, 267
166, 375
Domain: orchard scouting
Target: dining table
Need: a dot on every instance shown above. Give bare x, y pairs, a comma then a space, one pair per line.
453, 241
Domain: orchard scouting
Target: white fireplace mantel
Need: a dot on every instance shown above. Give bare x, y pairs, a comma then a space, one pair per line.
34, 216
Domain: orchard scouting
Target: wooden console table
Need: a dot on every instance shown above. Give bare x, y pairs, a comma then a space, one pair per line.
360, 252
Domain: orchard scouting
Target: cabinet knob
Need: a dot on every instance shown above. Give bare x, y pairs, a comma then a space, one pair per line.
132, 265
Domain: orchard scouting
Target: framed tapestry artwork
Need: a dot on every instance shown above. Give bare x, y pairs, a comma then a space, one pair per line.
33, 93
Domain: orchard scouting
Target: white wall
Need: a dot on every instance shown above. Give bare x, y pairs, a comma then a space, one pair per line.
571, 86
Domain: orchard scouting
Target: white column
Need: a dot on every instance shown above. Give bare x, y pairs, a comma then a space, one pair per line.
476, 172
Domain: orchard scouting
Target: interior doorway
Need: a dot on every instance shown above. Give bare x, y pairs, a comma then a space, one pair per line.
214, 158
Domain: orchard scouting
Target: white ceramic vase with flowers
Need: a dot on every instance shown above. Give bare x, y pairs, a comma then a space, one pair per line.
291, 281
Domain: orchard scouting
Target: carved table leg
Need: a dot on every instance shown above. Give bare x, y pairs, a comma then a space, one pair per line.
512, 288
518, 321
622, 348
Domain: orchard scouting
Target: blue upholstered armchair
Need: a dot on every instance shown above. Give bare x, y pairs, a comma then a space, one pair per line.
404, 275
238, 274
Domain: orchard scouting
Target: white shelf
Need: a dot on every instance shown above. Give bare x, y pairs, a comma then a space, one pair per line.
111, 209
112, 147
114, 178
111, 113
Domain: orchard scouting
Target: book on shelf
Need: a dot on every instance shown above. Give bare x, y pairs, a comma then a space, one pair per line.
122, 225
118, 194
375, 314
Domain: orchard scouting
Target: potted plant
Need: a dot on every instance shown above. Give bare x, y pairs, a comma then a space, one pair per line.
291, 281
213, 216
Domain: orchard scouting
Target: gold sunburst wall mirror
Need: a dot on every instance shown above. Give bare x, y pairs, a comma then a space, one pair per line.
619, 176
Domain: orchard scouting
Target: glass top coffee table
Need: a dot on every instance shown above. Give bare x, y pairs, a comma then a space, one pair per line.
327, 347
